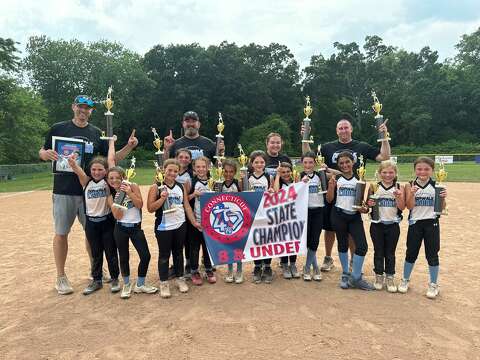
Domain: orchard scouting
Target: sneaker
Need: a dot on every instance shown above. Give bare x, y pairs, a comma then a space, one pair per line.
229, 277
432, 291
287, 274
197, 279
317, 275
92, 287
126, 291
267, 275
257, 274
344, 281
403, 286
106, 277
165, 289
211, 278
63, 285
114, 286
327, 264
360, 283
379, 282
390, 281
146, 289
306, 275
238, 277
294, 271
182, 285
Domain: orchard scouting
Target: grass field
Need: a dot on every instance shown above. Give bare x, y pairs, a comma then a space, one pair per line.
457, 172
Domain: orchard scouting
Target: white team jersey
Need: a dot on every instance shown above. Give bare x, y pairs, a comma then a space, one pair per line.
202, 186
346, 193
184, 177
424, 202
96, 194
260, 183
173, 220
387, 204
233, 187
315, 199
133, 215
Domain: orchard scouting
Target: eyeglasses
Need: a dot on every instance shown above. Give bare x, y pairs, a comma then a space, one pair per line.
85, 100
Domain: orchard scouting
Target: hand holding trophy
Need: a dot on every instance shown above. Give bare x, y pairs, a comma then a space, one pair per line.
108, 102
360, 186
120, 200
439, 202
377, 107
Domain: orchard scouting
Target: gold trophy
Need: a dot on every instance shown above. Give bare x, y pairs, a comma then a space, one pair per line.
108, 102
320, 161
307, 110
243, 160
375, 214
360, 186
220, 127
157, 142
215, 182
439, 202
295, 175
217, 171
121, 198
159, 179
377, 107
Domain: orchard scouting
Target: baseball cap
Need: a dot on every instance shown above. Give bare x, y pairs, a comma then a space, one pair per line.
191, 115
84, 100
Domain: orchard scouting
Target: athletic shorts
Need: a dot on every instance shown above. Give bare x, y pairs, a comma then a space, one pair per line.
327, 213
65, 209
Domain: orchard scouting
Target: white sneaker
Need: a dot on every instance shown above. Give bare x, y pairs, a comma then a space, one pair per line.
403, 286
165, 289
317, 275
126, 291
62, 285
238, 277
306, 275
432, 291
182, 285
390, 281
327, 264
379, 282
229, 277
146, 289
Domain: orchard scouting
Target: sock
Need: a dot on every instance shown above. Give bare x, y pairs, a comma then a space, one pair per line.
407, 270
126, 279
239, 266
309, 260
357, 266
314, 260
230, 267
141, 281
433, 273
344, 261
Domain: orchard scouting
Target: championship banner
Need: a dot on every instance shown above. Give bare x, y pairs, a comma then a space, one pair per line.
248, 226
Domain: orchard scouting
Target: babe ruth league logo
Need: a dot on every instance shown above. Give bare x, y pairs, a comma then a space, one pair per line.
226, 218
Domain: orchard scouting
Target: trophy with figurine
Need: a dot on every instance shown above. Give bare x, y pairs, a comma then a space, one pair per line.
307, 110
439, 202
159, 179
157, 142
322, 173
108, 103
216, 171
375, 214
377, 107
360, 186
243, 160
121, 199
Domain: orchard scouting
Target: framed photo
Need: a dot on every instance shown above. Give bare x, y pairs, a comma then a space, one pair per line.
64, 148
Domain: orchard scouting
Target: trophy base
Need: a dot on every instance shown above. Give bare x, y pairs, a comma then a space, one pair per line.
119, 206
168, 211
159, 152
307, 141
322, 192
382, 140
107, 137
356, 207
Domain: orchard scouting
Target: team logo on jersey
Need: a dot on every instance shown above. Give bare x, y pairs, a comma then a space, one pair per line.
227, 218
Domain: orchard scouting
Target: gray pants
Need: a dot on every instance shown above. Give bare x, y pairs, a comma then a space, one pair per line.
65, 209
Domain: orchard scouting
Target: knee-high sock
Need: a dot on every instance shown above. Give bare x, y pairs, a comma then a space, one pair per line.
140, 281
309, 261
357, 266
344, 261
407, 270
433, 273
126, 279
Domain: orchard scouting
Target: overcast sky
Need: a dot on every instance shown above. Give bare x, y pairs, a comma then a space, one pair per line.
306, 26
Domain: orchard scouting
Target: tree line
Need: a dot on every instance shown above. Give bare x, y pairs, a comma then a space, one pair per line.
257, 89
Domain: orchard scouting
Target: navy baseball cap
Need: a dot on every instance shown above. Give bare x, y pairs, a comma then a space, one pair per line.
191, 115
84, 100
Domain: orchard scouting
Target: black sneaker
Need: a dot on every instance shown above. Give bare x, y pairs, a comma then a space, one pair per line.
257, 275
267, 275
92, 287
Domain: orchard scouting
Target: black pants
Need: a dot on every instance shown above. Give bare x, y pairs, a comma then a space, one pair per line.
100, 238
314, 227
385, 239
170, 242
285, 259
197, 241
259, 263
345, 224
428, 231
136, 235
188, 241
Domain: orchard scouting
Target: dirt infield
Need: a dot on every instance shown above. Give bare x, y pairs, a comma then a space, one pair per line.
287, 319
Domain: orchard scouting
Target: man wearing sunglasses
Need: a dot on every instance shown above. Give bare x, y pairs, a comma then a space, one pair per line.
67, 191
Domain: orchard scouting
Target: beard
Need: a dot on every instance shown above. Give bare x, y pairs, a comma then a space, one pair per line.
191, 131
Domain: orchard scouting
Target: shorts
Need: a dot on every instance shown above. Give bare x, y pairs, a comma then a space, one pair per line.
65, 209
327, 214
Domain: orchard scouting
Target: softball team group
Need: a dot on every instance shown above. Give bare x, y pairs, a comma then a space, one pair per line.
179, 234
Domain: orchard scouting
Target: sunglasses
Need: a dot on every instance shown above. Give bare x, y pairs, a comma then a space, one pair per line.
85, 100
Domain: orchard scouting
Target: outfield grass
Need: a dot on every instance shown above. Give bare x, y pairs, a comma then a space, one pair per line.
457, 172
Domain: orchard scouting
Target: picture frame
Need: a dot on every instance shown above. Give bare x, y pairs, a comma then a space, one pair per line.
65, 147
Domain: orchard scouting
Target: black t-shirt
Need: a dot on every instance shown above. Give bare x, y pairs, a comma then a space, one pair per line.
200, 146
332, 149
68, 183
272, 163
